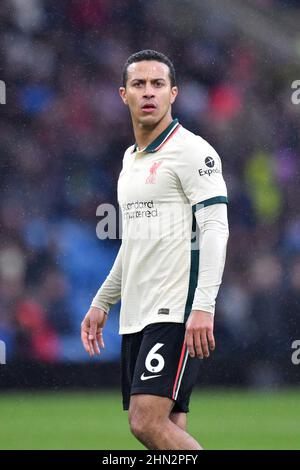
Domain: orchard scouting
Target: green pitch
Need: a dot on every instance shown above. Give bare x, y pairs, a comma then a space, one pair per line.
219, 420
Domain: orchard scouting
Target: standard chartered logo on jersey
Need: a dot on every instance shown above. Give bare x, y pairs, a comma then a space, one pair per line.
2, 352
139, 209
149, 220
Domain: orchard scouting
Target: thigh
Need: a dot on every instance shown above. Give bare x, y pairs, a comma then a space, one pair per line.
163, 366
149, 409
180, 419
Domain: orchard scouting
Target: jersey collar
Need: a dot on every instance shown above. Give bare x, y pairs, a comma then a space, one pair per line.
161, 139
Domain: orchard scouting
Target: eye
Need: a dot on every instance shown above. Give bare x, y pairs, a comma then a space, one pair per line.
159, 84
137, 84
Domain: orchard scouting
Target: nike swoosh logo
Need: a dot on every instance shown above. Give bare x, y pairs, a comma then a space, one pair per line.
143, 377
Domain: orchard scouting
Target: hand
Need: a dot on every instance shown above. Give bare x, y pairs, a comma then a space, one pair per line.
199, 336
91, 330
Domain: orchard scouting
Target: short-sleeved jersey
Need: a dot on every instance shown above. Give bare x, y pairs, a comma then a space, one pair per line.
159, 189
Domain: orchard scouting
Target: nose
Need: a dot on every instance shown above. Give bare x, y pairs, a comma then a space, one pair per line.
148, 91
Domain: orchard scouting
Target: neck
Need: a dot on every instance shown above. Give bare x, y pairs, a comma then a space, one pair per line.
144, 135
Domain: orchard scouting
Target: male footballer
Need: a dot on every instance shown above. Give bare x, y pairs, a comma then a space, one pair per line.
171, 182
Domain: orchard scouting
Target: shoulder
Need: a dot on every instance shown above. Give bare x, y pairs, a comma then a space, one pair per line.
128, 153
194, 146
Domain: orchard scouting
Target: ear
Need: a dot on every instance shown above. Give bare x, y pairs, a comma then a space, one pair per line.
174, 93
122, 92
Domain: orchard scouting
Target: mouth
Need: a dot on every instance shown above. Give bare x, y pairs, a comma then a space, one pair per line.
148, 107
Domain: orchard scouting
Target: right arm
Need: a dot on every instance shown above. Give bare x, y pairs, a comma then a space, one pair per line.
94, 321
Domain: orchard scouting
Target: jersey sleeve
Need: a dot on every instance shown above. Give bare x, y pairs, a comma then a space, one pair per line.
110, 291
214, 233
200, 175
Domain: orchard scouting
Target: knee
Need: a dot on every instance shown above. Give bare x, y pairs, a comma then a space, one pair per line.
137, 427
141, 426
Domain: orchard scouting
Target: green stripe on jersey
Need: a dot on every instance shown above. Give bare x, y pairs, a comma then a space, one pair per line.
194, 268
210, 202
156, 143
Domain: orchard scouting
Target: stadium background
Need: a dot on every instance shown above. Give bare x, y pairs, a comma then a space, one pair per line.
63, 132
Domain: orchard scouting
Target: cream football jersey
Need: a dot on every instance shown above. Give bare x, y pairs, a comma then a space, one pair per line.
159, 189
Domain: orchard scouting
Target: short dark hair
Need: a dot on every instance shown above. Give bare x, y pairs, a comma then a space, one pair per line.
149, 54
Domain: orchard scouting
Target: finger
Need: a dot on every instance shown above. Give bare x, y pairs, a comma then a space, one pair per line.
95, 347
95, 344
204, 344
211, 340
93, 341
91, 348
93, 330
92, 336
189, 341
198, 345
84, 339
100, 338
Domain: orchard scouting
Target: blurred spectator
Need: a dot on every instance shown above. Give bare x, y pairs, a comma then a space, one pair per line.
270, 333
36, 340
290, 305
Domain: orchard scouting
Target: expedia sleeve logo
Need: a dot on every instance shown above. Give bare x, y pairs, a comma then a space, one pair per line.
210, 163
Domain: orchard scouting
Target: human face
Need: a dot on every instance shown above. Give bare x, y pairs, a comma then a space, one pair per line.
148, 92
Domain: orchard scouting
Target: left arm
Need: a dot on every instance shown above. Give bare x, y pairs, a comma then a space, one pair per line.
213, 225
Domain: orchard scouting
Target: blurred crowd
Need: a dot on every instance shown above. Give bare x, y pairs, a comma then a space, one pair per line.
63, 132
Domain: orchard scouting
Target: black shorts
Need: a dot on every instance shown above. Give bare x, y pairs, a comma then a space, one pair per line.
155, 361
